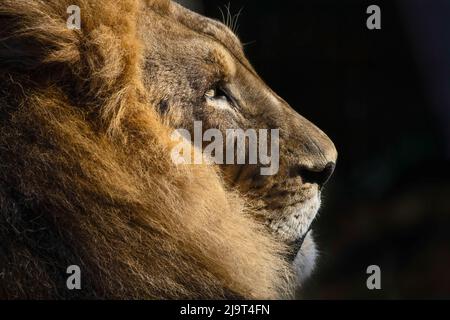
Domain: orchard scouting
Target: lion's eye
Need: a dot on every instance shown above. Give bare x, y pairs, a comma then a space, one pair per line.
217, 94
220, 98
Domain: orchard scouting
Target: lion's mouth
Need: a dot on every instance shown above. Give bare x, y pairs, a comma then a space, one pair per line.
293, 221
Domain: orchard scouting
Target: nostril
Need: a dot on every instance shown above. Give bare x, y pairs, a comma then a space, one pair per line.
316, 175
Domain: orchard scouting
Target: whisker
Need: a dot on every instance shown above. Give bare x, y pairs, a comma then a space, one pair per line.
236, 21
227, 21
223, 15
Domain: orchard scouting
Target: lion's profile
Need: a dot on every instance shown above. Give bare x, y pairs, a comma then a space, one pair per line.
86, 177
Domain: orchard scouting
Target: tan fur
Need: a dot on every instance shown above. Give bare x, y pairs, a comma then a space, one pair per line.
86, 177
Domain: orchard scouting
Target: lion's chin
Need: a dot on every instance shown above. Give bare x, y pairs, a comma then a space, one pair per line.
305, 260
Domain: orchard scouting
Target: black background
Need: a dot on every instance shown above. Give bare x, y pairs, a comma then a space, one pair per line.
383, 96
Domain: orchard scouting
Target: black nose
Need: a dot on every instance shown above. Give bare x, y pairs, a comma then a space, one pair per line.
319, 176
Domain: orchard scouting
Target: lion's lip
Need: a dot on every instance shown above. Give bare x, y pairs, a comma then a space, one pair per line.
288, 204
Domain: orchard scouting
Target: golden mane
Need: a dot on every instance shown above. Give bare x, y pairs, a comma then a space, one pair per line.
86, 177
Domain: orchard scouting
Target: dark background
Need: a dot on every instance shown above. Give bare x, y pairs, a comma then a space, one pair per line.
383, 96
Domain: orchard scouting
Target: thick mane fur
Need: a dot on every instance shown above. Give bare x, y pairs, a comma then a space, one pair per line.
86, 177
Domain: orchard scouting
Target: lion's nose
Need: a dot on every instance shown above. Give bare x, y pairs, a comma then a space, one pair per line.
318, 175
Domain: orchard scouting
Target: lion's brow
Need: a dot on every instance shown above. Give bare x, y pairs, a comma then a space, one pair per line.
209, 27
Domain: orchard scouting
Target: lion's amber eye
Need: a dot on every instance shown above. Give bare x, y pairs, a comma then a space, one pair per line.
219, 98
217, 94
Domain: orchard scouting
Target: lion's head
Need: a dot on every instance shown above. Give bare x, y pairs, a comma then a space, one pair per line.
207, 78
86, 176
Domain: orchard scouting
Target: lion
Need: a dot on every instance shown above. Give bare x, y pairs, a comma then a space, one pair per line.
86, 177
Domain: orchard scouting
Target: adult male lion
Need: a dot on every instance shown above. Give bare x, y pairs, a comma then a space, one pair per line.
86, 176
